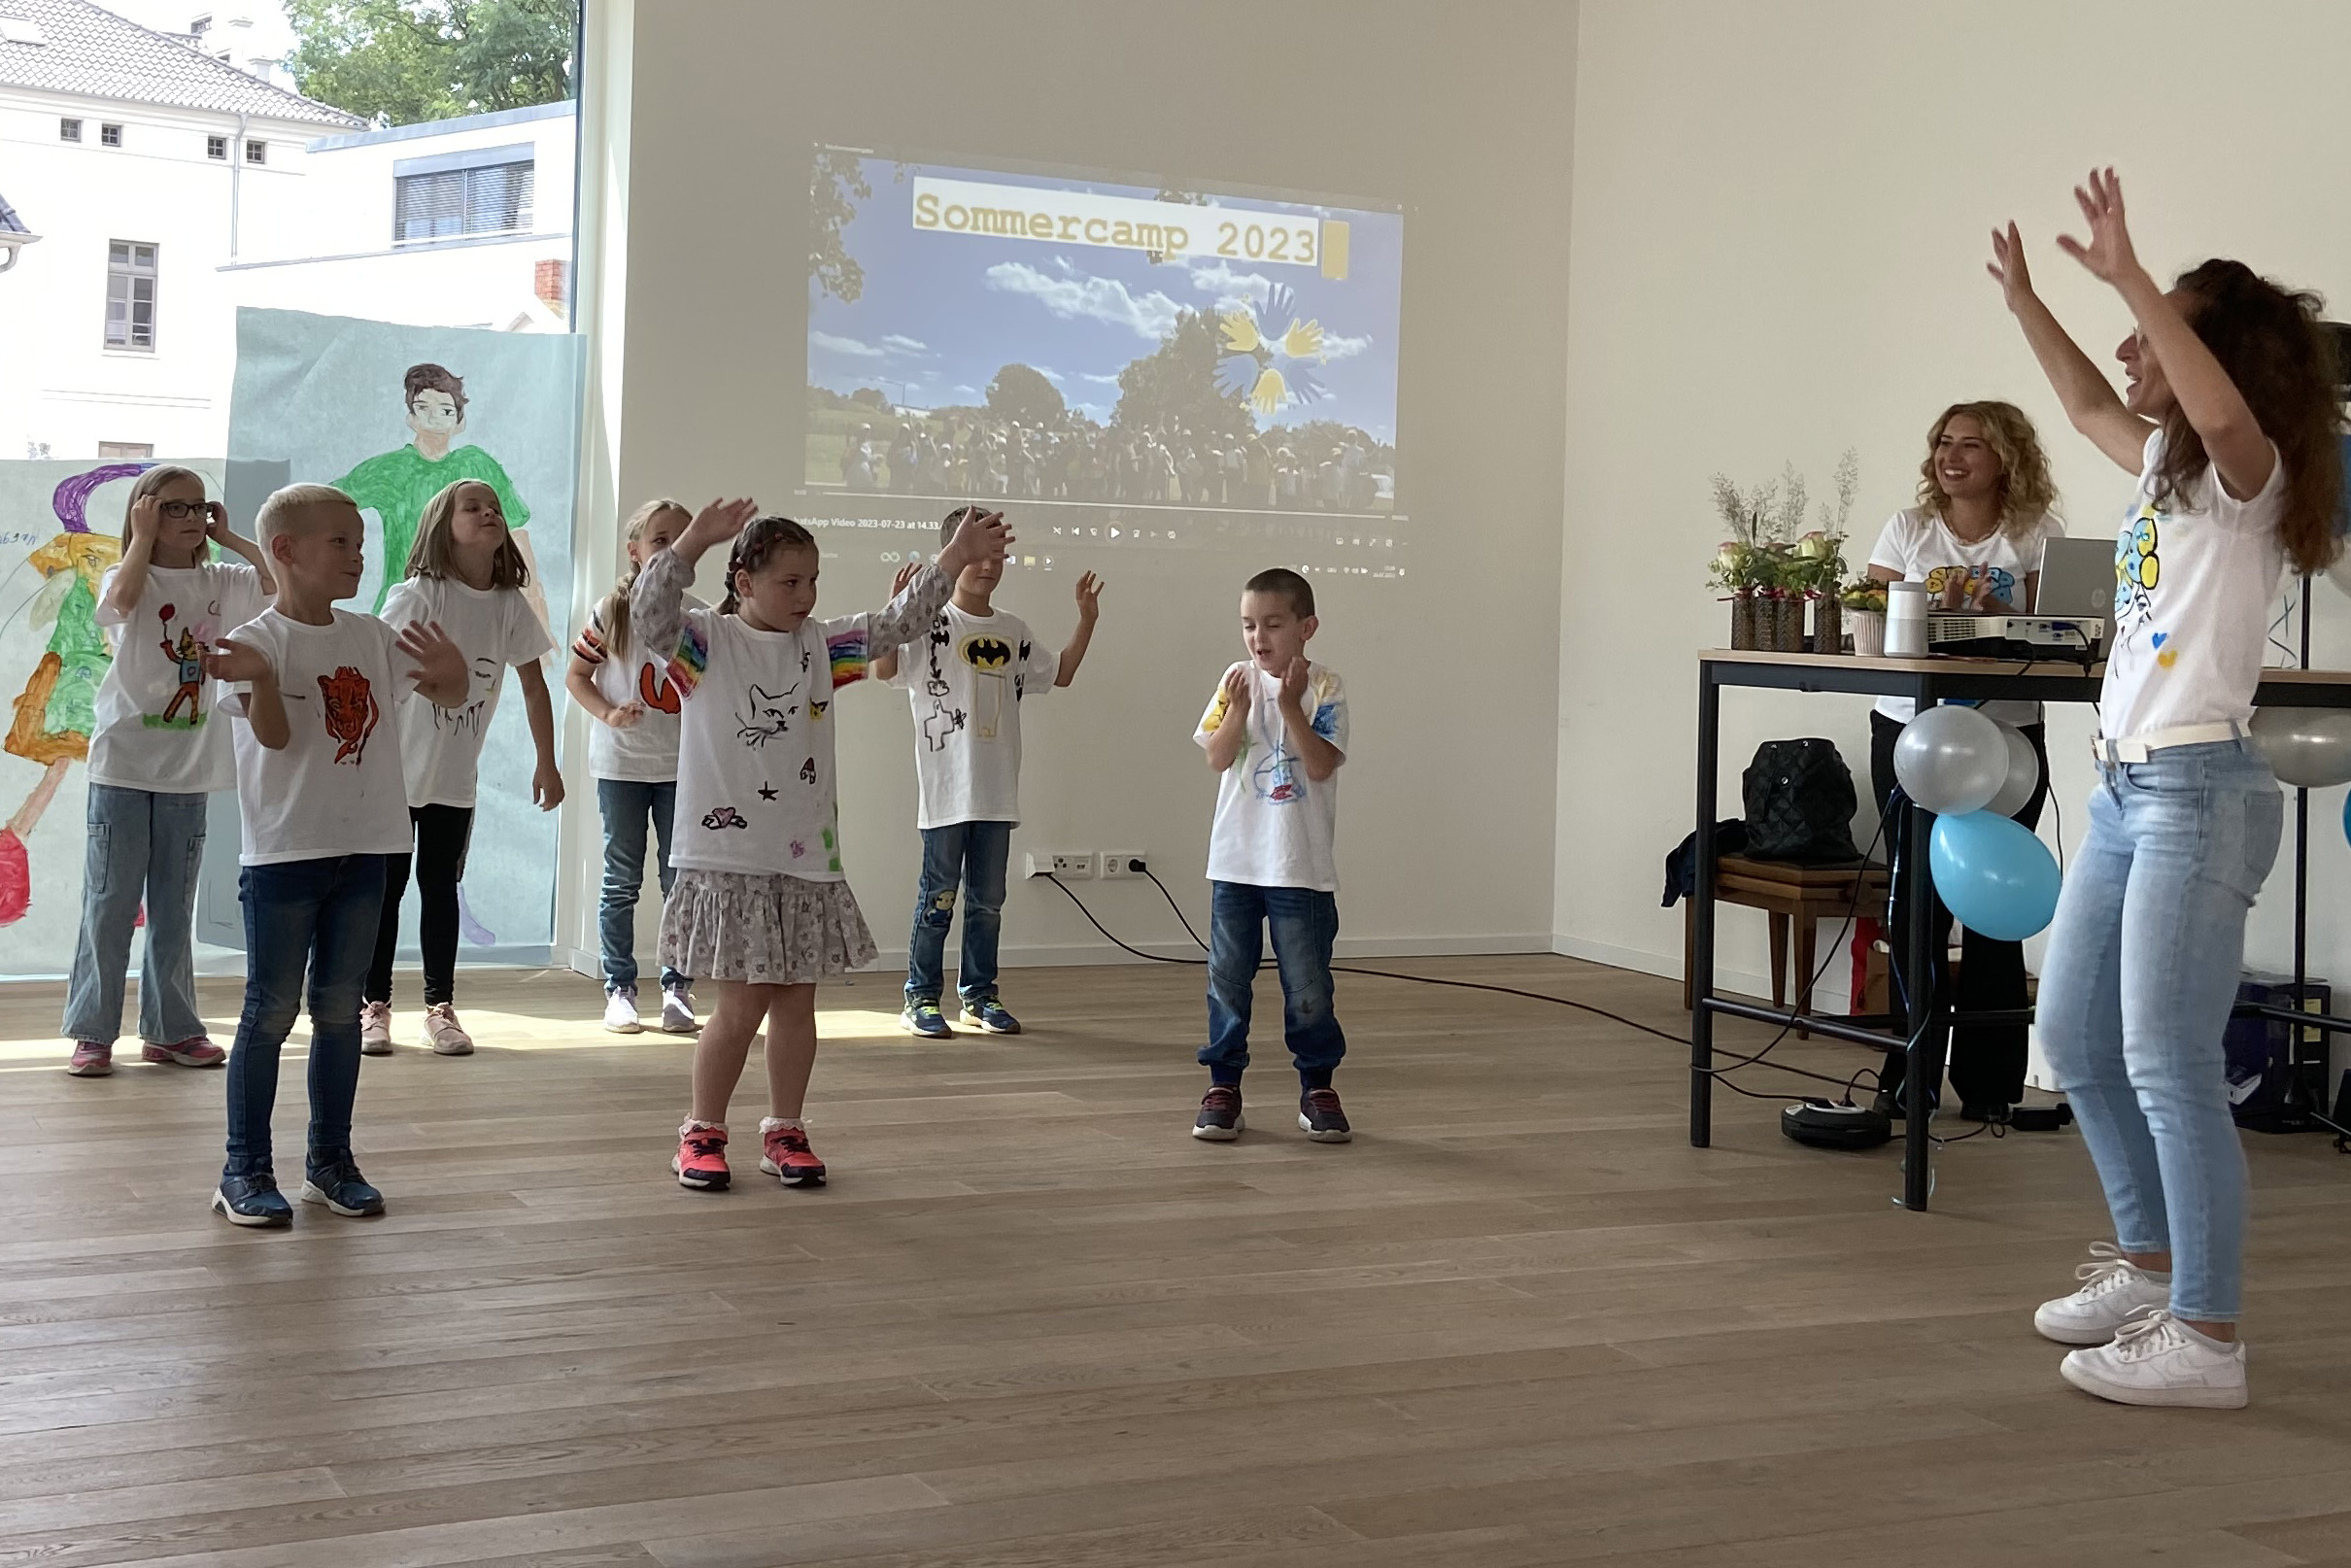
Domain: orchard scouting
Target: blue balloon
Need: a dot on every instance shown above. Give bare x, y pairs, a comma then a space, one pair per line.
2347, 816
1994, 875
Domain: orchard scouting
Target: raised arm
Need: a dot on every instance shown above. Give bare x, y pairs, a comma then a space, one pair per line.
127, 585
657, 604
2090, 399
2210, 402
1090, 610
917, 603
236, 544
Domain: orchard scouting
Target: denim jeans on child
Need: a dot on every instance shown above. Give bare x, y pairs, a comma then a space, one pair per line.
141, 844
627, 805
313, 918
2141, 974
972, 856
1305, 923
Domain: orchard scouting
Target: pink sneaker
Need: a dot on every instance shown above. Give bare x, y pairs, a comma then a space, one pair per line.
197, 1050
375, 1028
92, 1060
442, 1029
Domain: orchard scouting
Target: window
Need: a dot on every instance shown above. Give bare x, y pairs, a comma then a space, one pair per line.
69, 130
215, 147
491, 199
110, 135
127, 449
257, 151
131, 295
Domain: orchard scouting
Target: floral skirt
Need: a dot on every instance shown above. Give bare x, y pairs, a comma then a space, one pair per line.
762, 929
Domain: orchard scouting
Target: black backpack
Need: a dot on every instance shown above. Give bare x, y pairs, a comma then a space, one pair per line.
1800, 803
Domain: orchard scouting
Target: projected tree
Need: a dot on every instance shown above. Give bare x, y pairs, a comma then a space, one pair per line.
1023, 396
1174, 385
835, 186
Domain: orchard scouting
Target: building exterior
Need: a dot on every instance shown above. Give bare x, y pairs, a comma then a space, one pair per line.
151, 164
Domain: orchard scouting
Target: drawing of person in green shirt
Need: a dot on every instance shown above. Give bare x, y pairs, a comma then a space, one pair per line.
396, 485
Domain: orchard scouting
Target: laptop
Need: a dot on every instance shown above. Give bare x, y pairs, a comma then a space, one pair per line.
2077, 580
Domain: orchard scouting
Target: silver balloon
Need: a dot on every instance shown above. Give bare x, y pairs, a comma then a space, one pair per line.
1950, 760
2024, 774
2306, 747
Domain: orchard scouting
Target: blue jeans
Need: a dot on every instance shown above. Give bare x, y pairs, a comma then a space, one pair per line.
970, 855
302, 917
626, 805
140, 843
2143, 971
1305, 923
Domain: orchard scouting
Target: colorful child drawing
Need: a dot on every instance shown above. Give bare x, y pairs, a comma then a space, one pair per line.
57, 708
188, 655
351, 713
396, 485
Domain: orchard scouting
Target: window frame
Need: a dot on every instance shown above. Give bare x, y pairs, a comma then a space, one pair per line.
128, 272
127, 451
257, 151
69, 129
215, 148
110, 133
454, 196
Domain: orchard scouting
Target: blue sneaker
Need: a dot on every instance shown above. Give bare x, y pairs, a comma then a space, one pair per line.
252, 1200
923, 1017
989, 1013
338, 1183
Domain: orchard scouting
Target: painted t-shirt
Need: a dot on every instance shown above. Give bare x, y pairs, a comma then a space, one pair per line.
155, 725
2194, 582
646, 752
1274, 825
441, 748
967, 679
1919, 545
755, 783
334, 788
397, 485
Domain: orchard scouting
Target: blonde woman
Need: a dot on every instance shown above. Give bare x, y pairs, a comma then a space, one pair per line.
1975, 539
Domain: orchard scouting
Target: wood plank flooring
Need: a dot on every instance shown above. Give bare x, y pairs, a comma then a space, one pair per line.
1033, 1324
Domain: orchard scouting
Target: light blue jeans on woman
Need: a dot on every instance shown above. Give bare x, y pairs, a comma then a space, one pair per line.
142, 846
2141, 974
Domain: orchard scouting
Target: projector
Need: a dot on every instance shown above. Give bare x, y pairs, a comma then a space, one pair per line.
2015, 637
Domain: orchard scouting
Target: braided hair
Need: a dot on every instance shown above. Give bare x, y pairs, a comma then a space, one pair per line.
762, 540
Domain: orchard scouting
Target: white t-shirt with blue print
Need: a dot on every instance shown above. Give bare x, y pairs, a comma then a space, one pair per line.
1274, 825
1919, 545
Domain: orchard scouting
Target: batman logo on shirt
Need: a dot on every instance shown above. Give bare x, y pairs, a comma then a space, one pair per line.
987, 653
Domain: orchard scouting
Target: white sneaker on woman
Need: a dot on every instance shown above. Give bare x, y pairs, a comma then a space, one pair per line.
2113, 1290
2158, 1360
448, 1036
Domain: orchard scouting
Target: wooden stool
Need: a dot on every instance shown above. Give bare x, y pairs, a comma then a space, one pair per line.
1791, 895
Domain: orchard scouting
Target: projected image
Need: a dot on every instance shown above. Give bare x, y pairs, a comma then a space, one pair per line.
1079, 342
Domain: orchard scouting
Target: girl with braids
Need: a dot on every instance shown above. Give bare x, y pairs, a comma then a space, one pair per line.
623, 683
760, 907
2229, 420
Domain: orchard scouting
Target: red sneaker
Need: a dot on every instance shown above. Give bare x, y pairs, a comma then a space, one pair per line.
702, 1158
787, 1157
195, 1051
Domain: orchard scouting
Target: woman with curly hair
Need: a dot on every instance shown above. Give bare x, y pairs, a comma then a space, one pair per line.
1975, 539
2230, 421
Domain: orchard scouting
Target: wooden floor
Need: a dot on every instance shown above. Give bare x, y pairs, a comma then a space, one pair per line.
1519, 1320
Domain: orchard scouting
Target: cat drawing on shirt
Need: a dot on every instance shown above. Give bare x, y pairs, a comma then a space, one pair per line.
770, 718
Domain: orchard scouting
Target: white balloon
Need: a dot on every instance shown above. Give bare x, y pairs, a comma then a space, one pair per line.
2310, 748
2024, 774
1950, 760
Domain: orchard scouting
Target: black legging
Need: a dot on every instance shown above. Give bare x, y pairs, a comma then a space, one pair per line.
442, 833
1986, 1060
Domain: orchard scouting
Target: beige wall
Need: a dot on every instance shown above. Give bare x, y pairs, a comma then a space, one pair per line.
1463, 112
1780, 235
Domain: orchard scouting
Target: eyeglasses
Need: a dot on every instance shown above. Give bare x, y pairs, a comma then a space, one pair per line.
181, 511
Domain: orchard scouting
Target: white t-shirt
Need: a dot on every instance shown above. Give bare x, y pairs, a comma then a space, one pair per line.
441, 748
334, 788
754, 784
2194, 580
1919, 545
646, 752
1274, 825
967, 681
155, 725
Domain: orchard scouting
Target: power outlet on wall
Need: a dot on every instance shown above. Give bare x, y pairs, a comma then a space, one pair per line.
1124, 865
1068, 866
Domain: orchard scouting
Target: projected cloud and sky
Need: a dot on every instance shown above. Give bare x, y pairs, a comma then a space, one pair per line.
969, 331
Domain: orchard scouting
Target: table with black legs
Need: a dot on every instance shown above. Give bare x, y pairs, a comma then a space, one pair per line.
1924, 1024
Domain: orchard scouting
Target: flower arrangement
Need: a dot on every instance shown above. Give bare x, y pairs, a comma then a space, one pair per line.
1770, 567
1864, 594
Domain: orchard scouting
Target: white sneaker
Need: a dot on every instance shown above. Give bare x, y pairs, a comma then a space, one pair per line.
2113, 1290
620, 1011
677, 1011
375, 1028
2157, 1361
448, 1036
